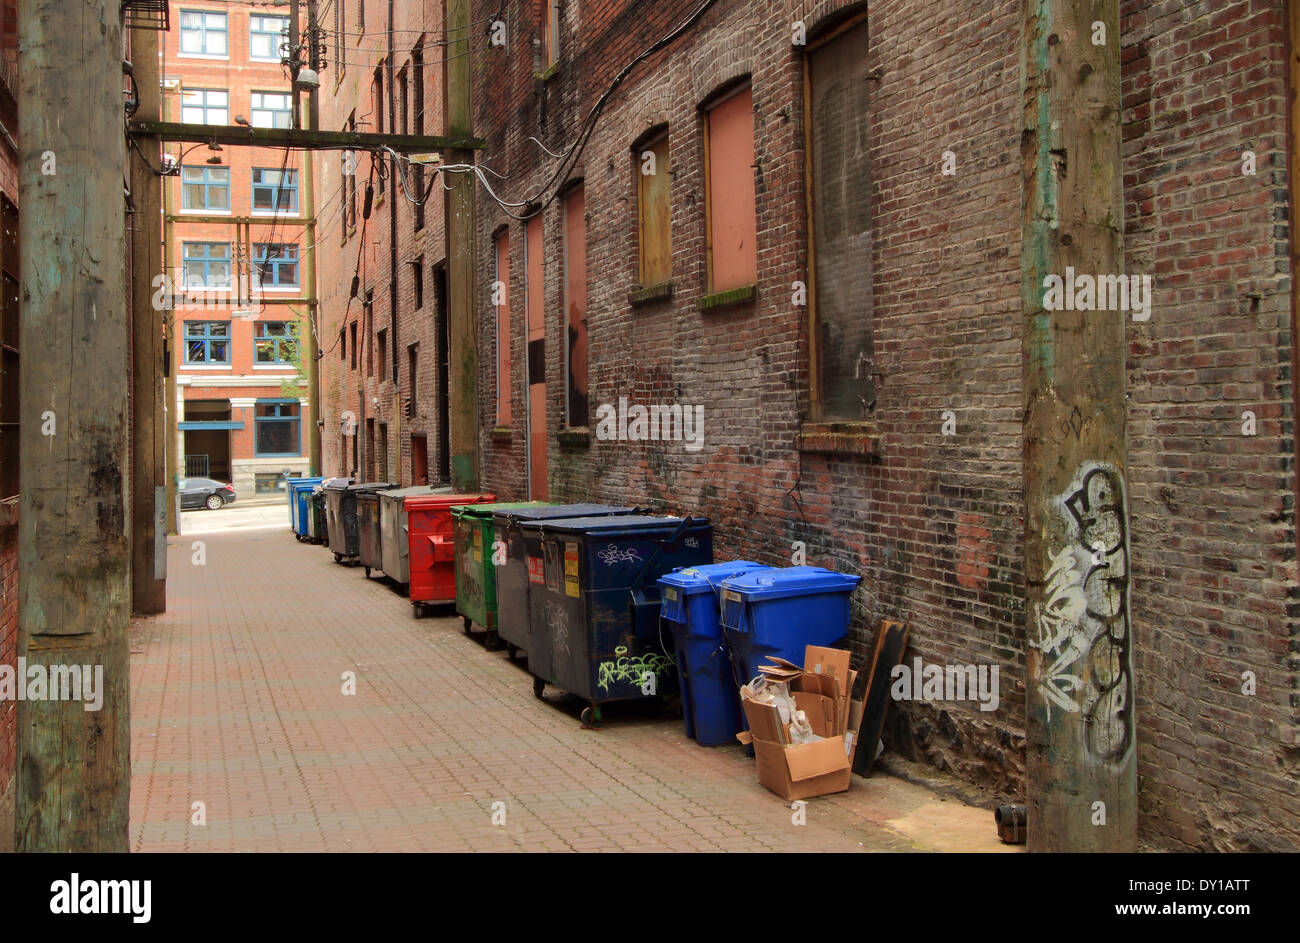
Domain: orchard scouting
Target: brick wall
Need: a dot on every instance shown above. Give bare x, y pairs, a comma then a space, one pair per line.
934, 523
343, 254
8, 509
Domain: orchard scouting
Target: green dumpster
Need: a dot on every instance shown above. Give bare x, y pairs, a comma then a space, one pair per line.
476, 583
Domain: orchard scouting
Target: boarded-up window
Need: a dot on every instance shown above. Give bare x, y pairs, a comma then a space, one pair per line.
501, 298
9, 367
841, 225
535, 306
575, 304
732, 222
654, 213
551, 31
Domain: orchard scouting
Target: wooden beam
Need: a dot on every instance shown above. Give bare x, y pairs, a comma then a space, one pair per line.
1080, 716
73, 764
237, 135
148, 427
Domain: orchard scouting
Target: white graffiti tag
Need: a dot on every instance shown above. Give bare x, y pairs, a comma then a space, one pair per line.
615, 554
1083, 623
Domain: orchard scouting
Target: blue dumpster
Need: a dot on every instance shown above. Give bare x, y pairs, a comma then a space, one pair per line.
523, 563
779, 611
299, 510
710, 698
595, 628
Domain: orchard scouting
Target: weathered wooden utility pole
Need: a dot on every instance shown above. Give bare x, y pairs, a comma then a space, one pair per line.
1082, 766
73, 769
310, 353
148, 427
461, 240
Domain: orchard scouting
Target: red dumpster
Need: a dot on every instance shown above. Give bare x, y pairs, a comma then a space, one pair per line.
433, 546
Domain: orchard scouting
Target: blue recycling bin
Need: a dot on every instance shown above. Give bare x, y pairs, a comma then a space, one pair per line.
299, 507
780, 611
710, 698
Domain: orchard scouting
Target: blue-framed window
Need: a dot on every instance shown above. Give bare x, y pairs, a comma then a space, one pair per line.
206, 264
277, 432
205, 188
205, 106
277, 265
207, 342
275, 191
204, 33
272, 110
275, 342
265, 34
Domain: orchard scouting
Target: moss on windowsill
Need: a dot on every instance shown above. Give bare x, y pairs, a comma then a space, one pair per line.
725, 299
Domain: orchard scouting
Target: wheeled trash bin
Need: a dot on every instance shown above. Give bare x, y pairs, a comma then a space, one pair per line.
710, 697
595, 620
341, 517
522, 568
477, 562
432, 547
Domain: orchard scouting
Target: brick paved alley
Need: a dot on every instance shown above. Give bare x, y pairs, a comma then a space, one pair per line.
237, 702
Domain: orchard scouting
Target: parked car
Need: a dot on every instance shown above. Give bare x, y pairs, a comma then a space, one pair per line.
205, 493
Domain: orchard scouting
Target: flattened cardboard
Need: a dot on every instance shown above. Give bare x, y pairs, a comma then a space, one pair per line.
821, 660
764, 722
822, 712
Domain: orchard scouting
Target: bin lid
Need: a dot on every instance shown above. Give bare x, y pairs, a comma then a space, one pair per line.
613, 526
414, 489
373, 486
304, 482
544, 511
489, 509
444, 500
790, 581
707, 577
338, 484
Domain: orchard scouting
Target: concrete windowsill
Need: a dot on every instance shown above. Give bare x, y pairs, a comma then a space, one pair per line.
725, 299
650, 294
840, 438
502, 434
574, 437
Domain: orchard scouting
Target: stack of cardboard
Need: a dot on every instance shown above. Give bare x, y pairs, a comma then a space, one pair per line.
790, 763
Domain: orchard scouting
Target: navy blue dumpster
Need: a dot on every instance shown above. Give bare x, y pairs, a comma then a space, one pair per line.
299, 490
780, 611
710, 698
595, 628
523, 563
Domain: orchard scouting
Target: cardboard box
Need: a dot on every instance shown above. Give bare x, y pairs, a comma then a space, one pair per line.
823, 690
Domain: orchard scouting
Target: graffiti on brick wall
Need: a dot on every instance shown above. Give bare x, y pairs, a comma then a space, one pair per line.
1083, 623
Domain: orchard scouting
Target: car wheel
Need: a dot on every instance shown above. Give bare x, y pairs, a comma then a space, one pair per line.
215, 502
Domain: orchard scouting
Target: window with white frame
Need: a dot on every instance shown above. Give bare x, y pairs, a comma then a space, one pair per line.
204, 33
265, 34
272, 110
205, 106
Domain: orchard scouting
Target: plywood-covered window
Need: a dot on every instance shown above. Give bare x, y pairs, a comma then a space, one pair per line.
551, 32
654, 212
575, 305
731, 220
501, 301
839, 176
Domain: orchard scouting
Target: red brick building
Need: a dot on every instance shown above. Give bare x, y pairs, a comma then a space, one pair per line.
384, 304
861, 374
236, 244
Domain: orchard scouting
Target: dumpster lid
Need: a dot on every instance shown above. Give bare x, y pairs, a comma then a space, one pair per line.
707, 577
614, 525
304, 482
790, 581
489, 509
445, 499
414, 489
373, 486
552, 511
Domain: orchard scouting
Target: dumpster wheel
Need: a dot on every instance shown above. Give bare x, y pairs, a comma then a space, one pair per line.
512, 651
539, 688
591, 717
467, 621
338, 558
367, 572
419, 609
